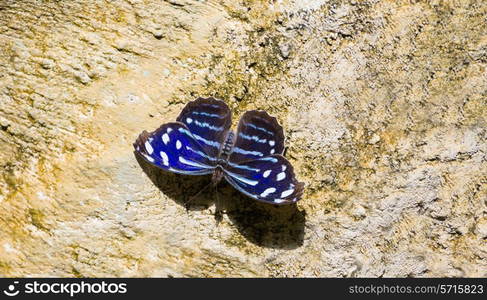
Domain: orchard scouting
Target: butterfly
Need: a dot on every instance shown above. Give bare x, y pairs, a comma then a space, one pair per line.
201, 142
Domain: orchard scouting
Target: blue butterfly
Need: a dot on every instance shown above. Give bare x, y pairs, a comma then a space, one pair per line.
200, 142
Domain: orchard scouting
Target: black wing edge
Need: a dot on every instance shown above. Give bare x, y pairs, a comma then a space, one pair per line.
139, 142
200, 100
298, 186
273, 121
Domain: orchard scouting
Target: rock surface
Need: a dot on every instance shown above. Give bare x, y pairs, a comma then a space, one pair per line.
383, 105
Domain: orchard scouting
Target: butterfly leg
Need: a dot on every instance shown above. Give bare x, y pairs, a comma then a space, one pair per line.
219, 209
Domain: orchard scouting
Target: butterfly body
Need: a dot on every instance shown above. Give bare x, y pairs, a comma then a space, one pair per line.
226, 150
201, 142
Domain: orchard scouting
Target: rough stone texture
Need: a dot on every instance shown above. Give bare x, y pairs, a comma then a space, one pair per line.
383, 105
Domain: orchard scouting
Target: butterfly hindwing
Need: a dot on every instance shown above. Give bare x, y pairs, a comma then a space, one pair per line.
209, 120
269, 179
172, 147
258, 135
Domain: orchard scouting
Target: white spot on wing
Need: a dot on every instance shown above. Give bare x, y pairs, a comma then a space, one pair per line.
268, 191
267, 173
242, 179
165, 159
284, 168
169, 130
148, 147
192, 163
244, 167
189, 120
198, 138
273, 150
280, 201
252, 138
148, 158
259, 128
209, 143
206, 125
242, 151
281, 176
287, 193
208, 114
178, 145
272, 143
165, 138
200, 153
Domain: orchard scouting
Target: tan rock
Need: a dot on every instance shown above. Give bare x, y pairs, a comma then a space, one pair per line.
383, 106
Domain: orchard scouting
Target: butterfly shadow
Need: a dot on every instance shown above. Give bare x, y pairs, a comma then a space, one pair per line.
178, 187
266, 225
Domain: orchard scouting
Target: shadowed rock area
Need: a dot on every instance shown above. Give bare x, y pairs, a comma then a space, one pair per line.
383, 104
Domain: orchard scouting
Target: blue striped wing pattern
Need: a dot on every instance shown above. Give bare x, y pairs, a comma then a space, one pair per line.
209, 120
173, 147
258, 135
269, 179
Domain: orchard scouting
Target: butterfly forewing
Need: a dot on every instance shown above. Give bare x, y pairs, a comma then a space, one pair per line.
258, 135
209, 120
172, 147
269, 179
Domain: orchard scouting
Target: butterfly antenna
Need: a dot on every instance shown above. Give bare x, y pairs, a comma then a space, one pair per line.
187, 202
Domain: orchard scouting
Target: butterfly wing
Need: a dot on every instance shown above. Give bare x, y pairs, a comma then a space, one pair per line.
209, 120
269, 179
258, 135
173, 147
